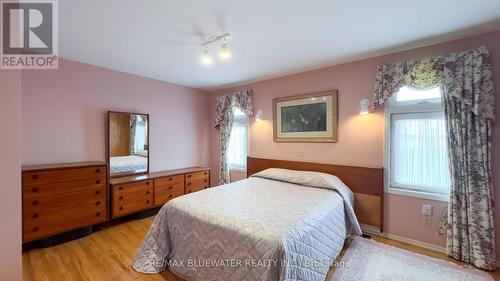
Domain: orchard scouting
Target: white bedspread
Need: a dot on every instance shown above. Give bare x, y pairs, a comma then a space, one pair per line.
254, 229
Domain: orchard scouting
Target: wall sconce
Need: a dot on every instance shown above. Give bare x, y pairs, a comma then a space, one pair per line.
258, 116
363, 104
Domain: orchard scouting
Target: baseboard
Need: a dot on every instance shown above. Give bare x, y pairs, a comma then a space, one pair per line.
373, 230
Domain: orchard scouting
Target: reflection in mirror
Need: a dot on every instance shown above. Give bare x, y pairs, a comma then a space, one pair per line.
128, 143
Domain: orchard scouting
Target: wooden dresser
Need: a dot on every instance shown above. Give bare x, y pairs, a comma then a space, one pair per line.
63, 197
138, 193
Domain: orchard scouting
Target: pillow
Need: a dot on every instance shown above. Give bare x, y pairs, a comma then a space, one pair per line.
319, 180
308, 178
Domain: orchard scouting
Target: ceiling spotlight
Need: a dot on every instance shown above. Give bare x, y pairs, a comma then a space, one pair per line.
224, 51
205, 57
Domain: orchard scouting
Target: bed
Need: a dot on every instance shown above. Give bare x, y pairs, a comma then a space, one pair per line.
279, 224
131, 163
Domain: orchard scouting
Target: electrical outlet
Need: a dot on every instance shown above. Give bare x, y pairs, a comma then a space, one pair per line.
300, 153
426, 210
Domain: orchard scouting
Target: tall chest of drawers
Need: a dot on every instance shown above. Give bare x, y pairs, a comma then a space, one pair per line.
63, 197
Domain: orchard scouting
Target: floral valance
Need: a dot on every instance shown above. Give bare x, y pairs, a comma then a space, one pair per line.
225, 103
446, 71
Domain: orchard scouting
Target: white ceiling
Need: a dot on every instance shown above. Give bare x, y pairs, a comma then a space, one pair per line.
161, 39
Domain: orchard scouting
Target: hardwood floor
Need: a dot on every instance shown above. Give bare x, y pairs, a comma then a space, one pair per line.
108, 253
105, 255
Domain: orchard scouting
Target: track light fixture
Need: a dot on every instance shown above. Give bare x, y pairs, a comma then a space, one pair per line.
206, 57
224, 51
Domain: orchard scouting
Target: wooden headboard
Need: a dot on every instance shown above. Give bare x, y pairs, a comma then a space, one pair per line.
366, 183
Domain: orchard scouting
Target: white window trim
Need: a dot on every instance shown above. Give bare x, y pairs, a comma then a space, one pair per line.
406, 108
237, 167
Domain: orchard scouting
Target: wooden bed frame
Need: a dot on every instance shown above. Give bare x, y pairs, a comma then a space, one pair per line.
366, 183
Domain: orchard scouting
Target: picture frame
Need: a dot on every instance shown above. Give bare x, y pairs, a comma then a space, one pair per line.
306, 118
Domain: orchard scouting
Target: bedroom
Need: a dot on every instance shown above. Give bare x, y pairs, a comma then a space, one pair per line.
186, 75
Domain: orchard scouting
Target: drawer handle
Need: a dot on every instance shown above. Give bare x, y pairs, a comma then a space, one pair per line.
147, 201
188, 176
35, 229
120, 198
34, 216
205, 180
189, 183
170, 196
97, 181
147, 192
121, 208
98, 203
205, 173
120, 188
98, 170
97, 214
34, 189
34, 177
147, 183
97, 192
35, 202
170, 187
170, 179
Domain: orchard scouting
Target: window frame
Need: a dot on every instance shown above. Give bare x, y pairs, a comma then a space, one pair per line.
417, 107
244, 119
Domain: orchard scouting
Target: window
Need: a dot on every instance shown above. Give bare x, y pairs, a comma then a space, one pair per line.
417, 157
238, 143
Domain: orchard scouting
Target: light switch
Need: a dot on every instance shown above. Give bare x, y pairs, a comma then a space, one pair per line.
426, 210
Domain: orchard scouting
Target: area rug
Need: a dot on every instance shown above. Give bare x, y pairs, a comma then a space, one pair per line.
367, 260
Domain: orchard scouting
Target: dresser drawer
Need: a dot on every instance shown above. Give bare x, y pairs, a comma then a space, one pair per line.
132, 204
65, 202
130, 195
51, 189
169, 180
43, 216
64, 175
194, 185
133, 188
165, 193
66, 221
197, 175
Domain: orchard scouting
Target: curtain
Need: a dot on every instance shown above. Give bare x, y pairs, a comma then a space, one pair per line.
389, 79
469, 108
224, 118
417, 74
419, 144
238, 143
133, 124
468, 102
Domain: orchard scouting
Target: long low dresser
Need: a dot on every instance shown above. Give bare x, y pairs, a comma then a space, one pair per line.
62, 197
133, 194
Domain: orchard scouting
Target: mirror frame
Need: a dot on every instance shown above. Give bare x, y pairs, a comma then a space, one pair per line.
108, 156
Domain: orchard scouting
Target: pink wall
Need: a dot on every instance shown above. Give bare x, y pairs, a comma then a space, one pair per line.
64, 115
361, 138
10, 173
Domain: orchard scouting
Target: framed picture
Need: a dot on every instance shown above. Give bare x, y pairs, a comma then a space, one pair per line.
306, 118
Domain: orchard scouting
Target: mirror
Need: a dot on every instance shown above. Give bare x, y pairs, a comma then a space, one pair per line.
128, 143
